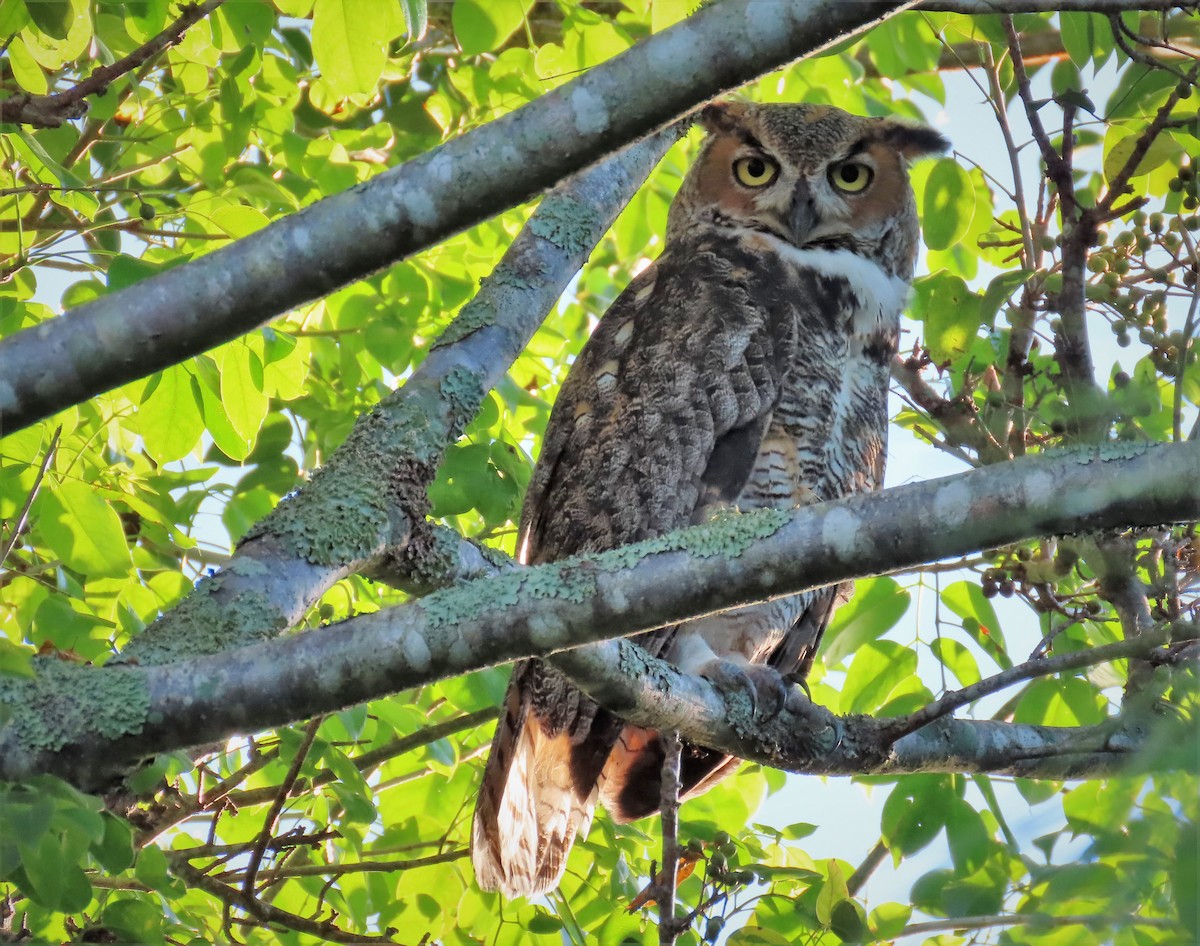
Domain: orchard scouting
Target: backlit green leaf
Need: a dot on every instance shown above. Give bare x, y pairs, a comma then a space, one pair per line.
949, 204
876, 670
483, 25
82, 529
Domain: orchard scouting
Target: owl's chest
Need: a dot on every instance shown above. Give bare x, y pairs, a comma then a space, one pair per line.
827, 433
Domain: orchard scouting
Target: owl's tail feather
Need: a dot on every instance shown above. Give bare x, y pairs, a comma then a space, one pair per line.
528, 813
631, 785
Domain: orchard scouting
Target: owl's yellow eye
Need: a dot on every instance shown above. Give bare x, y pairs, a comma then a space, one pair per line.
754, 171
851, 176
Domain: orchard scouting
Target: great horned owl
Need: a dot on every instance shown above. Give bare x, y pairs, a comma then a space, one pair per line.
747, 367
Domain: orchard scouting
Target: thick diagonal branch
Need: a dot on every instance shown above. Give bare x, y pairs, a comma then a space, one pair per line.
369, 500
129, 334
89, 724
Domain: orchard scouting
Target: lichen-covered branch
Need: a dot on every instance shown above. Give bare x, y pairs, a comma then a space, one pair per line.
164, 320
89, 724
366, 507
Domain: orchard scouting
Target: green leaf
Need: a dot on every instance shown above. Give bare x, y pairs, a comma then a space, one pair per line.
115, 851
877, 606
241, 392
1120, 145
968, 838
483, 25
999, 291
949, 204
664, 13
416, 18
1185, 878
957, 659
801, 829
151, 868
15, 660
216, 421
26, 817
951, 313
876, 670
915, 812
13, 17
350, 53
542, 922
1066, 702
1078, 36
54, 881
137, 921
53, 17
757, 936
965, 598
83, 530
849, 922
29, 75
888, 920
832, 893
169, 418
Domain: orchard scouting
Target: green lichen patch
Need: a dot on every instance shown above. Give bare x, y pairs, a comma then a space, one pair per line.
452, 606
568, 223
729, 534
207, 623
570, 582
472, 317
247, 567
462, 391
67, 703
342, 521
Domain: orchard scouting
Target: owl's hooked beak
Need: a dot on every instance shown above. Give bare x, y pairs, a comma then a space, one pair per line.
802, 215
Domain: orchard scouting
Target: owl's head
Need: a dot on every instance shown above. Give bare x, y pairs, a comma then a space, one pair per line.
811, 175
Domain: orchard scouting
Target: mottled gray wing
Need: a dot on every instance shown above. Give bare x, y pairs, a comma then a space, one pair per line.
658, 422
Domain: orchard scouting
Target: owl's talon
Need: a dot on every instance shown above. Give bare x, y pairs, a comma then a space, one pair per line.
765, 685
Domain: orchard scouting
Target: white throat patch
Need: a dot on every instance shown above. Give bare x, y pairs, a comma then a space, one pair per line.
881, 297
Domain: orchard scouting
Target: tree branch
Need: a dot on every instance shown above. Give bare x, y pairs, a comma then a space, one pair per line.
89, 724
264, 912
1041, 667
363, 509
194, 307
50, 111
1093, 922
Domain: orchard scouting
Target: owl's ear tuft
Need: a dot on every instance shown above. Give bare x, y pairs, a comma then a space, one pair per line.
915, 141
723, 116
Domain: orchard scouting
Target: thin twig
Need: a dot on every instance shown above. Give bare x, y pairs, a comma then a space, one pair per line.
1039, 920
1139, 646
876, 856
668, 928
50, 111
265, 913
281, 796
354, 867
1120, 184
19, 525
369, 760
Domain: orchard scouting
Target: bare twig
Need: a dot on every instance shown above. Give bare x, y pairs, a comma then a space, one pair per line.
369, 760
876, 856
50, 111
268, 828
1037, 920
265, 913
668, 928
355, 867
18, 525
1137, 647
